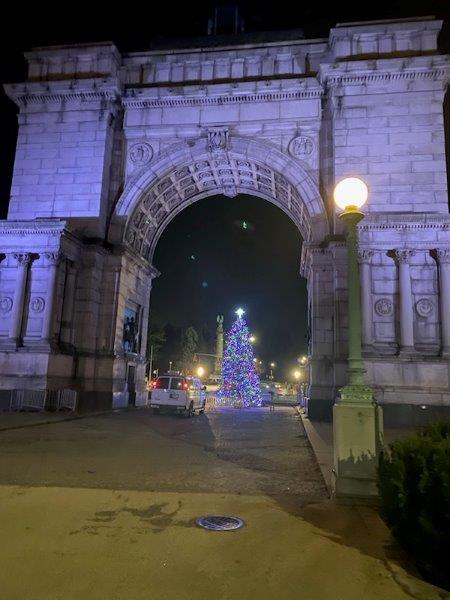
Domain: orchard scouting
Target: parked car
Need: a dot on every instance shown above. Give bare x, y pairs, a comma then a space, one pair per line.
178, 393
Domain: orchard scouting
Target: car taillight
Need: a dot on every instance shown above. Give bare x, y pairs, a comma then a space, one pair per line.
185, 386
153, 384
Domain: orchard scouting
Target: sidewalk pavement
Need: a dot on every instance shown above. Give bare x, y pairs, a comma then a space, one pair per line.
20, 419
320, 435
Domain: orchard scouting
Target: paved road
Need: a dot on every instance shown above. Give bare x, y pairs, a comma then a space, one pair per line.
105, 507
252, 452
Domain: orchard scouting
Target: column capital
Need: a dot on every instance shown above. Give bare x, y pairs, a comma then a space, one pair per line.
23, 258
365, 256
442, 256
403, 256
53, 258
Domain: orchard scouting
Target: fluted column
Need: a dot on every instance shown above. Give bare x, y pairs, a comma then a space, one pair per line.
15, 327
52, 259
365, 257
443, 259
406, 302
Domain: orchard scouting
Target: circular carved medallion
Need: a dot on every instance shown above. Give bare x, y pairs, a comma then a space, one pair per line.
301, 147
424, 307
5, 304
384, 307
141, 153
37, 304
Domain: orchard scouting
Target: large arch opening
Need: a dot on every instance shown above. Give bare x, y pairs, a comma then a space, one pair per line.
188, 172
222, 253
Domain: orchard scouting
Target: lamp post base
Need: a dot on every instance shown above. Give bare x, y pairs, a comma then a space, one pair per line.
358, 438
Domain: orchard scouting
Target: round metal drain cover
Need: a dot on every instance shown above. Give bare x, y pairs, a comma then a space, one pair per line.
216, 523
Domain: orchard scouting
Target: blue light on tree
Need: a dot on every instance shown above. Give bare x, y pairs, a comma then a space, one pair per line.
240, 382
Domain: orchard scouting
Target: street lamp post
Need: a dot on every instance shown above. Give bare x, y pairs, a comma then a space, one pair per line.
272, 366
357, 419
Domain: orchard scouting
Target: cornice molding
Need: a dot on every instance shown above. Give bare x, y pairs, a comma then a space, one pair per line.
346, 78
30, 93
25, 228
405, 222
178, 100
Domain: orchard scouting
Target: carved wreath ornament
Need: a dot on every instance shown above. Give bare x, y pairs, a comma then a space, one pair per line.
384, 307
424, 307
141, 154
301, 147
5, 304
37, 304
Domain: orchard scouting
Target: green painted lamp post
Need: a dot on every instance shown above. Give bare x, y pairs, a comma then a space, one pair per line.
357, 419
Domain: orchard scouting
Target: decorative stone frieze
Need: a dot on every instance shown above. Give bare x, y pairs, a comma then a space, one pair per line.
202, 99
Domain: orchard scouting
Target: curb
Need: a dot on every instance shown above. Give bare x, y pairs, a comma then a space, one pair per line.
327, 484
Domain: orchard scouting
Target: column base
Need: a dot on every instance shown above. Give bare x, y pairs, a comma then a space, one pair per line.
358, 433
10, 344
407, 351
356, 394
40, 345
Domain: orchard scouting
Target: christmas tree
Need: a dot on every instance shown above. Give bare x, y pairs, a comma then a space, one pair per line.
240, 382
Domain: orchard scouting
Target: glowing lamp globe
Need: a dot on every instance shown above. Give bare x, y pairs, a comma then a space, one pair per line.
350, 193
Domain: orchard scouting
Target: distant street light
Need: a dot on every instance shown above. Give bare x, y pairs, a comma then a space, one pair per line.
272, 365
357, 420
252, 339
297, 375
200, 371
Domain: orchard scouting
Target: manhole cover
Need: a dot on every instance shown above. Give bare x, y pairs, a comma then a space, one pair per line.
215, 523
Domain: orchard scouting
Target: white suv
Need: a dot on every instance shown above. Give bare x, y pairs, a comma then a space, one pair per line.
178, 393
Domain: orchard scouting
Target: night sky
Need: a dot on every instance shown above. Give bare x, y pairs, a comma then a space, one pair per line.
257, 266
222, 253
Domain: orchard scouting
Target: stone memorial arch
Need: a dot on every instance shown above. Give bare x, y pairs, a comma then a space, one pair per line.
112, 146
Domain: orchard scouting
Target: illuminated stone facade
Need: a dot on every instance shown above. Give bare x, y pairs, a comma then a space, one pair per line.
112, 146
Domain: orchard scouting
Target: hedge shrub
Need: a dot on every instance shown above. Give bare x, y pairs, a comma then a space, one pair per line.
414, 485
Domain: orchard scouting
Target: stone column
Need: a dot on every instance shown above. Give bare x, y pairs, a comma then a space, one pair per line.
443, 259
68, 304
15, 327
406, 303
364, 257
53, 261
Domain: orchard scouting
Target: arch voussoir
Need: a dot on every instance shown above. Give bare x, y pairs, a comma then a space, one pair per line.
190, 171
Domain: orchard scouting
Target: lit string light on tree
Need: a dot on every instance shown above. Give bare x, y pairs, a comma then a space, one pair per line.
240, 382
